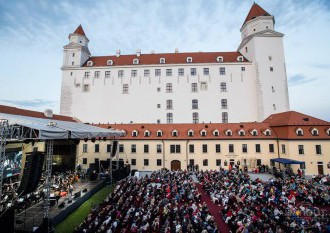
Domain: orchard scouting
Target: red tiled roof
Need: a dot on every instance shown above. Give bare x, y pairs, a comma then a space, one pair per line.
255, 11
80, 31
184, 128
289, 132
30, 113
170, 58
293, 118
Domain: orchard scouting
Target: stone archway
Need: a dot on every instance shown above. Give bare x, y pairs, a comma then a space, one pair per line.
175, 165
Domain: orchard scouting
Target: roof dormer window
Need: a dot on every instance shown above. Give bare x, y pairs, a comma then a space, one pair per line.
175, 133
267, 132
300, 132
109, 62
190, 133
135, 133
159, 133
203, 133
229, 132
147, 133
315, 132
216, 133
189, 59
328, 131
220, 59
162, 60
241, 132
240, 58
135, 61
254, 132
90, 63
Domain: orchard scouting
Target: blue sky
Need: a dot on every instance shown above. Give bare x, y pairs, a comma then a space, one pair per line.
33, 33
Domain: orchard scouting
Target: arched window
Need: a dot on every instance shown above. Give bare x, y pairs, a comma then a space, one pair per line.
216, 133
300, 132
175, 133
189, 60
229, 132
147, 133
190, 133
219, 59
89, 63
267, 132
223, 87
254, 132
162, 60
135, 61
135, 133
159, 133
203, 133
315, 132
241, 132
110, 62
195, 117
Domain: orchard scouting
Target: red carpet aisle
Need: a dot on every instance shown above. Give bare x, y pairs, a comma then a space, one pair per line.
214, 210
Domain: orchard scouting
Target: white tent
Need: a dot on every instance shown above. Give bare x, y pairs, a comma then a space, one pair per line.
46, 129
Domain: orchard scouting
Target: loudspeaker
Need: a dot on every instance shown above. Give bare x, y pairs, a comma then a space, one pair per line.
85, 190
77, 194
61, 205
114, 148
32, 172
7, 220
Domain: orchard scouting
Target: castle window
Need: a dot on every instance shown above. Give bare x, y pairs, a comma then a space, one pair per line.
72, 54
246, 49
301, 149
220, 59
194, 104
229, 132
315, 132
133, 73
206, 71
300, 132
180, 71
135, 61
274, 107
271, 69
175, 133
193, 71
110, 62
240, 58
225, 117
125, 88
190, 133
270, 58
158, 89
224, 104
162, 60
107, 74
158, 121
158, 105
223, 87
243, 69
203, 86
146, 73
254, 132
135, 133
168, 72
203, 133
194, 87
89, 63
120, 73
267, 132
189, 59
169, 104
222, 71
86, 87
169, 118
273, 89
157, 72
71, 73
147, 133
86, 74
159, 133
195, 117
216, 133
97, 74
241, 132
169, 87
72, 63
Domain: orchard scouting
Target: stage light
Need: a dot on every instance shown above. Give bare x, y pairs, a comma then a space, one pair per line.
93, 140
85, 139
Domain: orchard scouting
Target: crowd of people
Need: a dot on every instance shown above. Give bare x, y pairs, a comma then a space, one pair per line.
277, 205
163, 202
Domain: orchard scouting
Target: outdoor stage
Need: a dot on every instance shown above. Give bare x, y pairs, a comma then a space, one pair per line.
33, 216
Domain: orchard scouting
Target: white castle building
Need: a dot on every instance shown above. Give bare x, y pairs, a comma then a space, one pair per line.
249, 84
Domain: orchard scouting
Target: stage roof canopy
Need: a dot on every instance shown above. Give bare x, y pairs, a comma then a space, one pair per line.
44, 129
286, 161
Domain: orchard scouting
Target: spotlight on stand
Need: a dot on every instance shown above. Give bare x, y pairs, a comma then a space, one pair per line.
85, 139
93, 140
104, 138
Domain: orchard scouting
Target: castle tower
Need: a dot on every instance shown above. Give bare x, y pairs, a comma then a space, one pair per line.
76, 53
263, 46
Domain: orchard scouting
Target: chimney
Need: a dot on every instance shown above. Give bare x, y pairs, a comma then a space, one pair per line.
138, 52
118, 53
176, 50
48, 113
